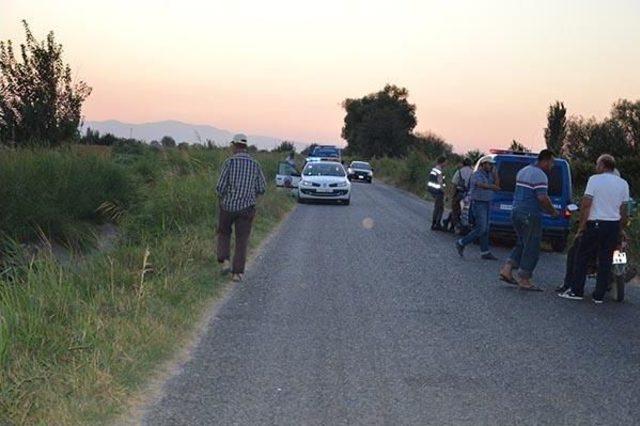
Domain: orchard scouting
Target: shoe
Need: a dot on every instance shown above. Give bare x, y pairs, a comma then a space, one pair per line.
488, 256
225, 267
436, 227
596, 300
569, 294
562, 288
460, 248
236, 277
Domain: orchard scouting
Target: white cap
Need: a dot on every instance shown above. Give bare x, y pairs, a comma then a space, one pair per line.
240, 139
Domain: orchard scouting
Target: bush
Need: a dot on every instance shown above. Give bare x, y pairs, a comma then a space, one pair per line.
53, 190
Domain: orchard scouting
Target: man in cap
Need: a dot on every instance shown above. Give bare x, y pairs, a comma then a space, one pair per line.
530, 200
241, 182
484, 182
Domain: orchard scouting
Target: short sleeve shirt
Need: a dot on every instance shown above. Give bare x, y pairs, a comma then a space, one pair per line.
477, 193
608, 192
531, 182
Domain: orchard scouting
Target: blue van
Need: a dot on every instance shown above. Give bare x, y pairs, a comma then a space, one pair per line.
509, 163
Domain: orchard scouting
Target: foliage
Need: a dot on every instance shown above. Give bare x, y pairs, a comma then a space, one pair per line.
39, 102
285, 146
474, 155
308, 150
432, 145
627, 115
518, 147
556, 130
380, 124
168, 142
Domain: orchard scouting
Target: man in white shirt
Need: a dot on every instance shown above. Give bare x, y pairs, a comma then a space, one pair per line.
603, 216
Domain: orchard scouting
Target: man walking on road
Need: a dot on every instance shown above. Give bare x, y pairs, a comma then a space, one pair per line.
530, 199
603, 216
484, 182
241, 182
436, 187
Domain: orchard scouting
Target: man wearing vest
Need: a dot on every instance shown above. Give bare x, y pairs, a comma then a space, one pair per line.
530, 199
436, 187
484, 182
603, 216
460, 182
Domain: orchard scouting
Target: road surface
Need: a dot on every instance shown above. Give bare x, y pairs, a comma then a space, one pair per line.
360, 315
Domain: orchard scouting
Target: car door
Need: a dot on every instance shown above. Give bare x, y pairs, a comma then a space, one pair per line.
287, 176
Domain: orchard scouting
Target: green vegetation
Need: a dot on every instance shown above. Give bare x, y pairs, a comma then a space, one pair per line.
78, 338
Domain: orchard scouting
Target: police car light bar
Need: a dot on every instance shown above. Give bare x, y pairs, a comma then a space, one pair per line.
508, 151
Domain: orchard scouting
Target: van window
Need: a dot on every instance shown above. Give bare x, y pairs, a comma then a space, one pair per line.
507, 172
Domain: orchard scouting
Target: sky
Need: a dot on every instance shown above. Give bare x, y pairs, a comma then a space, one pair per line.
481, 72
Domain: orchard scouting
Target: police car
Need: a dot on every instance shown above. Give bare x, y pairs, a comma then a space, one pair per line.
324, 181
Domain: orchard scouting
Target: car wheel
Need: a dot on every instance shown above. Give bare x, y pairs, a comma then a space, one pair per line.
347, 202
301, 200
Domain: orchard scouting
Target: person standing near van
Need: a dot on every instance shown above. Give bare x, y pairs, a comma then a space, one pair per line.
436, 187
241, 182
460, 183
530, 200
603, 216
483, 183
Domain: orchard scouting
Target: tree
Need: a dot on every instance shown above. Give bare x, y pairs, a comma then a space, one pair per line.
474, 155
587, 139
556, 130
308, 150
380, 124
432, 145
285, 146
627, 115
518, 147
168, 142
39, 102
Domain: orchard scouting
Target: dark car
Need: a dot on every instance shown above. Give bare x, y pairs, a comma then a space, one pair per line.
360, 171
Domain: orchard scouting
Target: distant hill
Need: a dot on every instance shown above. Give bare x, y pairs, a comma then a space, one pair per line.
181, 132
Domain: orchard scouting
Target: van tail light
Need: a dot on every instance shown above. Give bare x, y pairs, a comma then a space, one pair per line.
567, 214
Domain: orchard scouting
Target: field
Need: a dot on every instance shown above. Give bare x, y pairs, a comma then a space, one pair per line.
82, 331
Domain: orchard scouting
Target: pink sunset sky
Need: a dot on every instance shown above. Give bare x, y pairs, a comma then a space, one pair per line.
480, 72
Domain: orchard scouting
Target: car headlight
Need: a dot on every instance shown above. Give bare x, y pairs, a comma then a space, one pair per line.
341, 184
350, 170
306, 183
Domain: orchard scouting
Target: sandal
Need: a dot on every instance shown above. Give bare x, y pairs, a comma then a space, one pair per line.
511, 281
529, 288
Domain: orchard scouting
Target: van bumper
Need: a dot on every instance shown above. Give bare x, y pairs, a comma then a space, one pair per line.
548, 233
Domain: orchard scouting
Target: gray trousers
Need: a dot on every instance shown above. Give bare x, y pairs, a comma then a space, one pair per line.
438, 208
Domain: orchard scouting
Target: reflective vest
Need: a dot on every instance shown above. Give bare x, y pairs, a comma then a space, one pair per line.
433, 183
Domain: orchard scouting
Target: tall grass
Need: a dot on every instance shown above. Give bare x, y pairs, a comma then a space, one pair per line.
77, 340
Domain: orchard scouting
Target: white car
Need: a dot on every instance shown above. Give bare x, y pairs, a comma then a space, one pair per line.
324, 181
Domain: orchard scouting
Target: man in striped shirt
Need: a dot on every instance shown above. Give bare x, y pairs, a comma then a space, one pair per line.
530, 200
241, 182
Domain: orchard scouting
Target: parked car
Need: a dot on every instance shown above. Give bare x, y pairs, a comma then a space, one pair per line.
324, 181
508, 163
360, 170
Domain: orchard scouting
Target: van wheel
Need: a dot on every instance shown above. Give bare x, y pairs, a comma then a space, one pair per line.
559, 245
618, 288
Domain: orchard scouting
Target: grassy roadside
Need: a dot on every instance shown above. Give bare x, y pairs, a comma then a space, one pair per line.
78, 339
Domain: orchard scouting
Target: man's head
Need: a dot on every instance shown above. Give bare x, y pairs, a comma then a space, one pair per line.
239, 143
606, 163
441, 160
546, 159
467, 162
486, 164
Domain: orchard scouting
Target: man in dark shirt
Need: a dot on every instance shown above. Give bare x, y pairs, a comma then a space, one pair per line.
241, 181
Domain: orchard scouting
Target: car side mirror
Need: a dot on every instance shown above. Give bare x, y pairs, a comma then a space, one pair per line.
573, 207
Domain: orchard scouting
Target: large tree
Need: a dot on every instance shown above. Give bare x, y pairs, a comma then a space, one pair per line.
556, 130
627, 114
380, 124
39, 102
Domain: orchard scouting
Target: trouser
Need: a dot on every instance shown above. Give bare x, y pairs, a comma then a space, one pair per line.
572, 255
242, 221
480, 212
599, 239
456, 210
525, 254
438, 208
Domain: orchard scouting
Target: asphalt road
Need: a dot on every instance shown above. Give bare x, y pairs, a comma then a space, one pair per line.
360, 315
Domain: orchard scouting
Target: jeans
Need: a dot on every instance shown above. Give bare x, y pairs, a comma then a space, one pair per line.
480, 212
242, 221
599, 239
438, 208
525, 254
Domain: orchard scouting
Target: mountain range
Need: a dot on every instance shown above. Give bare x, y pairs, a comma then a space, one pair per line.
181, 132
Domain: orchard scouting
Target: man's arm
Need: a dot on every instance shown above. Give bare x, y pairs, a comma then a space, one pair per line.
223, 180
624, 216
261, 183
585, 209
486, 185
547, 204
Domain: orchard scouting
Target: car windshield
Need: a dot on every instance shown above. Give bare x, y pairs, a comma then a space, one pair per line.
323, 169
331, 153
360, 165
508, 170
